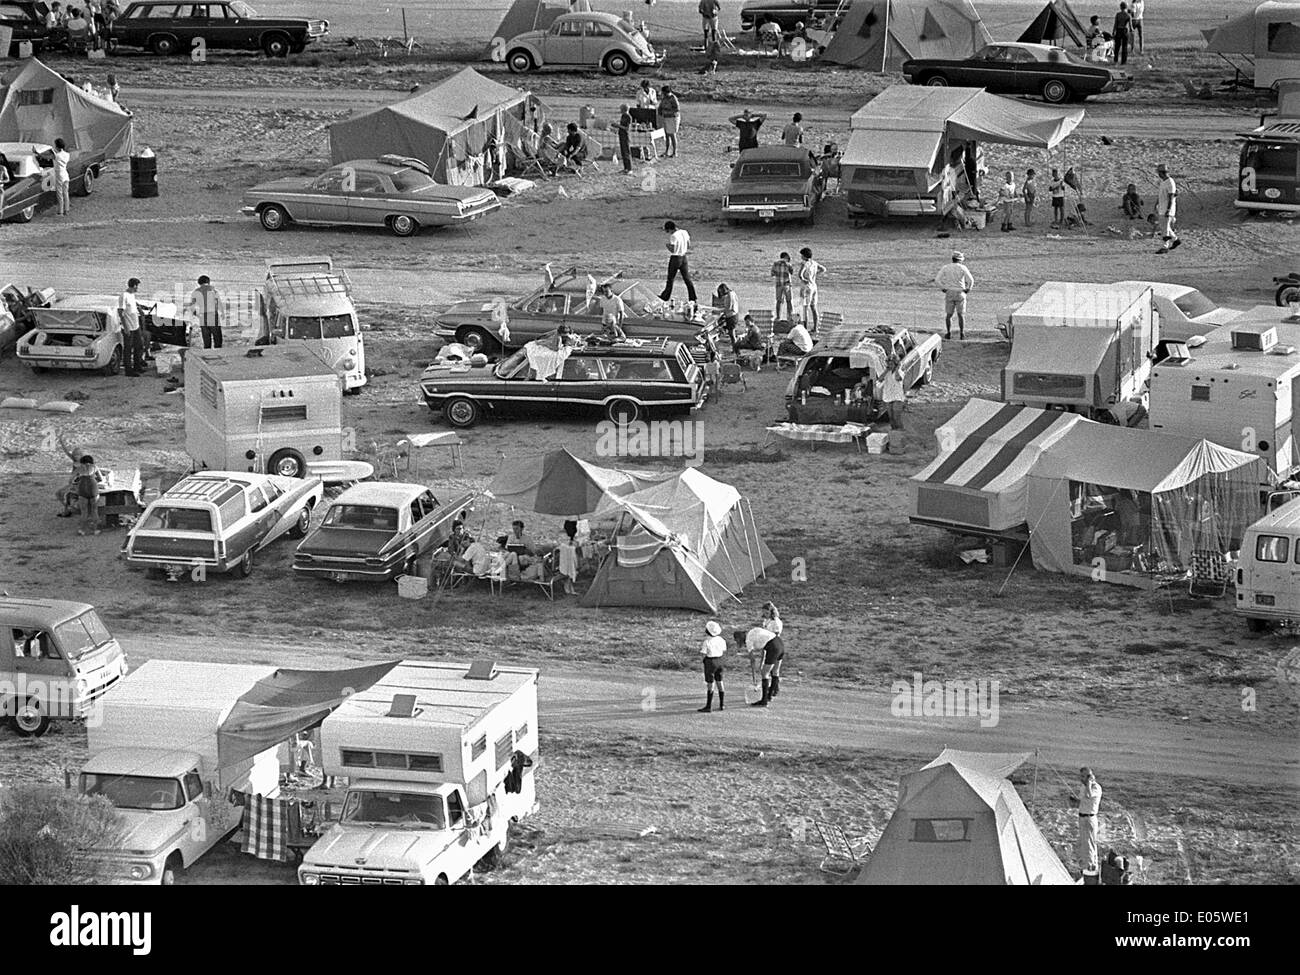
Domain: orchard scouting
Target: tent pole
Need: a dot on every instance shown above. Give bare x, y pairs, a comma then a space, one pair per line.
762, 569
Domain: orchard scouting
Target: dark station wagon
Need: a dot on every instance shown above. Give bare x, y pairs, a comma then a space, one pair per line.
624, 380
166, 27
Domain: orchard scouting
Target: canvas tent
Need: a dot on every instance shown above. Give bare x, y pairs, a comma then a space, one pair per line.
1138, 502
904, 150
879, 35
688, 542
1267, 36
1055, 24
558, 483
38, 105
978, 481
960, 821
460, 127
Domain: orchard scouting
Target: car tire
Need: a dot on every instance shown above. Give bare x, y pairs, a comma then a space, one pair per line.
30, 720
462, 412
276, 45
623, 410
1286, 294
478, 339
244, 568
273, 217
164, 45
935, 81
520, 61
1256, 625
402, 225
88, 182
617, 64
37, 370
287, 462
303, 524
1055, 91
25, 216
171, 871
114, 362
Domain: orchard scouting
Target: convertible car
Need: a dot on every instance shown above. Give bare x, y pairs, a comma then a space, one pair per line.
1021, 69
392, 191
840, 379
774, 183
31, 177
565, 299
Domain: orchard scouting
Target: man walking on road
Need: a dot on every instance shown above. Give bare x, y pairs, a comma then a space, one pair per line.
1089, 802
709, 10
679, 243
955, 280
128, 312
625, 138
1167, 210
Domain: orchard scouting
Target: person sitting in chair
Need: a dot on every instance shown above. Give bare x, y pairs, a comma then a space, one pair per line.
575, 147
504, 561
1131, 203
750, 338
476, 559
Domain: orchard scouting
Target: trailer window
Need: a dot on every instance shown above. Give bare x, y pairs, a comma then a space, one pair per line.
521, 731
1272, 548
406, 761
505, 748
1049, 386
286, 413
1284, 38
940, 830
1201, 394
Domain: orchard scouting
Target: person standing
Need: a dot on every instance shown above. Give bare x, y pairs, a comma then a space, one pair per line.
88, 488
205, 303
955, 280
762, 641
1056, 187
809, 275
128, 313
728, 304
709, 10
1089, 803
61, 179
4, 181
783, 273
670, 120
679, 245
711, 651
748, 123
1007, 199
1137, 10
892, 391
792, 134
1167, 210
612, 312
646, 96
1120, 33
624, 128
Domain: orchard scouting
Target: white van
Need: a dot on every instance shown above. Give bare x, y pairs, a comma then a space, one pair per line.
307, 301
1268, 576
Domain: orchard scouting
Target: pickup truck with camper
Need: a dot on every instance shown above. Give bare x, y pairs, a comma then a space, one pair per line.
57, 662
440, 760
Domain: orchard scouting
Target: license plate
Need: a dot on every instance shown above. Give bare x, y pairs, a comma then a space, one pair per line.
767, 214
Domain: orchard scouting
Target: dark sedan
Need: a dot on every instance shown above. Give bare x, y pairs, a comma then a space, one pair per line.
771, 183
166, 27
1021, 69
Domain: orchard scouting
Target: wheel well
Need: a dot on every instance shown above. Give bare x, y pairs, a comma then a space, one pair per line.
174, 858
149, 41
393, 216
523, 50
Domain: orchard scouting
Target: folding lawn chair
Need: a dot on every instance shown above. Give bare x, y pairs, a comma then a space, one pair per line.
842, 857
530, 164
1210, 574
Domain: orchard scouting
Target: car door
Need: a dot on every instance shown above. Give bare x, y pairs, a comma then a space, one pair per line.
563, 45
198, 832
1027, 73
325, 200
1275, 573
581, 383
368, 199
989, 68
281, 511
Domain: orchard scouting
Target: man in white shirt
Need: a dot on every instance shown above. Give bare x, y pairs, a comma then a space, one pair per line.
679, 244
762, 643
1136, 9
711, 651
955, 281
61, 179
1089, 803
477, 558
809, 273
128, 313
1167, 210
798, 342
792, 134
646, 96
612, 311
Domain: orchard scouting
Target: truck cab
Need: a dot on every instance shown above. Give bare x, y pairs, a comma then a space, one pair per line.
57, 659
308, 301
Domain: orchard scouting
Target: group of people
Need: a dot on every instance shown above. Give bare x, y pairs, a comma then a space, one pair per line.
1125, 34
763, 645
86, 25
516, 557
748, 123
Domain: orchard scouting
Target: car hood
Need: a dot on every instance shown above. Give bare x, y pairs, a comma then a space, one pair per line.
359, 542
145, 830
379, 847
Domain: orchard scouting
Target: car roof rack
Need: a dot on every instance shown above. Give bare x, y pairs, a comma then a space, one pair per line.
210, 489
309, 283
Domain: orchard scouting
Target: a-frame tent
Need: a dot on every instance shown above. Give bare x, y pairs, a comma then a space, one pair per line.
1055, 24
879, 35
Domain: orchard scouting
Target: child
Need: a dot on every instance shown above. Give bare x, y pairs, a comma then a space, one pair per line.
783, 272
1056, 186
1131, 203
1029, 190
114, 89
1006, 198
88, 485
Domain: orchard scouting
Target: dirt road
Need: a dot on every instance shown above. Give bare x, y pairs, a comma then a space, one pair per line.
808, 716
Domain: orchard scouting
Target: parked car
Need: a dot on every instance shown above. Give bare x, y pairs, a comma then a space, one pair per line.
75, 332
57, 659
1185, 312
166, 27
786, 14
1021, 69
219, 520
27, 23
583, 40
376, 531
774, 183
31, 177
16, 312
564, 299
624, 380
392, 191
839, 380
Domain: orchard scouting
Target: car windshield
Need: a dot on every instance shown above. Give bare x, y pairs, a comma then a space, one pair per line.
134, 791
410, 180
394, 808
1194, 304
367, 516
769, 170
163, 518
74, 639
321, 326
638, 298
506, 368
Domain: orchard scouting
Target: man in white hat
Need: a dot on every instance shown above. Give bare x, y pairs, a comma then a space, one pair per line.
712, 650
1089, 803
955, 281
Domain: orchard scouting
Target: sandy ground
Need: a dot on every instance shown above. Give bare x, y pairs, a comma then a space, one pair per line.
1148, 688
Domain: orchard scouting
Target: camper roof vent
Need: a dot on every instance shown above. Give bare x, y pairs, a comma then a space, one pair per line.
403, 706
482, 670
1258, 337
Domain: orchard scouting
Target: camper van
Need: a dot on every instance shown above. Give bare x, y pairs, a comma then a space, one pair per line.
57, 661
154, 756
307, 301
439, 761
271, 411
1237, 389
1268, 576
1083, 348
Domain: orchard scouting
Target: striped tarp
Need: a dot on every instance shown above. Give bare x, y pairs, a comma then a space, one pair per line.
985, 453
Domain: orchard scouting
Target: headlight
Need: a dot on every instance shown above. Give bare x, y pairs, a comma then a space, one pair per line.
80, 688
348, 364
140, 871
309, 879
413, 883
